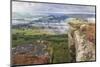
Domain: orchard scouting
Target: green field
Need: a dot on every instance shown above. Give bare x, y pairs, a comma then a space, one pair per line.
58, 43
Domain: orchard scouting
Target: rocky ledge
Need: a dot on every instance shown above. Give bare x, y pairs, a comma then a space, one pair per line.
30, 54
81, 37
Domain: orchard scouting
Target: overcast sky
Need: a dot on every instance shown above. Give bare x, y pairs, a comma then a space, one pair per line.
39, 8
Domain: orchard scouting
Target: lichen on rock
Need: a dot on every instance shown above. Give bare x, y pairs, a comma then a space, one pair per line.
82, 37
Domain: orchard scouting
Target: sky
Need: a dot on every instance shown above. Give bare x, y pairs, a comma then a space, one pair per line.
29, 8
41, 8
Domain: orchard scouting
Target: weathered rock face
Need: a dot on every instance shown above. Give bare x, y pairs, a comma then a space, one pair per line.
24, 59
30, 54
82, 40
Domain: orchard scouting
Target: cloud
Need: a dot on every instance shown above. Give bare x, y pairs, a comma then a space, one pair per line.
35, 8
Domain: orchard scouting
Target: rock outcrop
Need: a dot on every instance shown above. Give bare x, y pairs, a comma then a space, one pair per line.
30, 54
81, 37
